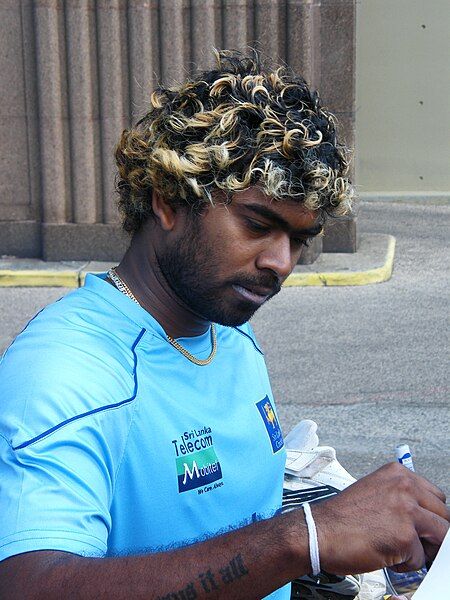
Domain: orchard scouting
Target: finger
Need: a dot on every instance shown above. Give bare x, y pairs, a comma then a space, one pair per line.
433, 489
415, 558
431, 551
431, 528
431, 502
410, 555
431, 544
419, 483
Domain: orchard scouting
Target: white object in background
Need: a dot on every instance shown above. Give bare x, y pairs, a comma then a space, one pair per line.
317, 464
436, 585
373, 586
303, 436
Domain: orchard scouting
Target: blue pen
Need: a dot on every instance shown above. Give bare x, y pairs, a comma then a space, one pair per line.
404, 457
403, 454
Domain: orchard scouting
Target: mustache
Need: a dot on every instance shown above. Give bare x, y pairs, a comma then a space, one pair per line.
265, 281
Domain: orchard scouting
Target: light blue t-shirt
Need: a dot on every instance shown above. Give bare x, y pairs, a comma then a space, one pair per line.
112, 442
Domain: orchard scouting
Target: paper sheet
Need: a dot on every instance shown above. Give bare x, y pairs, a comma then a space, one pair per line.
436, 585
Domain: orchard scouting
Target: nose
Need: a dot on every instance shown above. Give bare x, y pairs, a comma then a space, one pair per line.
277, 256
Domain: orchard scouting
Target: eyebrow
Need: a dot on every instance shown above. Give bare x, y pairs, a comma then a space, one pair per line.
264, 211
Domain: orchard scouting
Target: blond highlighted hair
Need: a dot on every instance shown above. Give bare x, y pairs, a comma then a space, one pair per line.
238, 125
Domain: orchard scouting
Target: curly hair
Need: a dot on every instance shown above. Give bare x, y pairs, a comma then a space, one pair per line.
227, 129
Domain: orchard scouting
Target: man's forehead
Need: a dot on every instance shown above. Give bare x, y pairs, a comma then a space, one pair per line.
287, 213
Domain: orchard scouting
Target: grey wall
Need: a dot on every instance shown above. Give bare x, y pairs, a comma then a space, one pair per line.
74, 73
403, 87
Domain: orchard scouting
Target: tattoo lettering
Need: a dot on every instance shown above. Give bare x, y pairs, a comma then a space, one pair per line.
208, 582
235, 569
188, 593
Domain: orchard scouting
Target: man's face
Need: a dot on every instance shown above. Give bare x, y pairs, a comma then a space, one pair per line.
225, 263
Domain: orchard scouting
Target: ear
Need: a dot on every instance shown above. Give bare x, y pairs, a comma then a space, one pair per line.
163, 212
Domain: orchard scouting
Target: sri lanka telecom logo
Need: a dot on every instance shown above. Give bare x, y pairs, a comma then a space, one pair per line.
196, 461
271, 422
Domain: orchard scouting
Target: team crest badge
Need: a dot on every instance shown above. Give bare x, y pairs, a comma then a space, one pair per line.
271, 422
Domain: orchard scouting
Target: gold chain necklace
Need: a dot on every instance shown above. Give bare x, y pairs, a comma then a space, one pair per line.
122, 287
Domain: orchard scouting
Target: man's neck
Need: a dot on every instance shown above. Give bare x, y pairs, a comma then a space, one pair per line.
140, 271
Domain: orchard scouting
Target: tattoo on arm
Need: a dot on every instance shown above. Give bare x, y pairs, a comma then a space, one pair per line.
209, 581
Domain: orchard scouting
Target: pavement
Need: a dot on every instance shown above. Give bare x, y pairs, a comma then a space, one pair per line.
369, 363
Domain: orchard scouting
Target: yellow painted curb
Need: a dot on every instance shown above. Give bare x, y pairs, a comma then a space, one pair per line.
30, 278
72, 279
376, 275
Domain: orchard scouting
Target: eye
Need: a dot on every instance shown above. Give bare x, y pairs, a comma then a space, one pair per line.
256, 226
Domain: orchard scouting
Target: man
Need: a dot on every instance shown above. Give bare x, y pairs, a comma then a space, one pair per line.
141, 455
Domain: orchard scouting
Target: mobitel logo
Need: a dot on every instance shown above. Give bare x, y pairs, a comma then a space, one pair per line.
198, 469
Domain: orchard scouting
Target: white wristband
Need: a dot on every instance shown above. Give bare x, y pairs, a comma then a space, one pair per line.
313, 541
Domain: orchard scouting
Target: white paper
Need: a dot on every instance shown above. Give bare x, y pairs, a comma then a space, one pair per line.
436, 585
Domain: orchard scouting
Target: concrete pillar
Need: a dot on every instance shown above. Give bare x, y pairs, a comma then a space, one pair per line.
81, 58
204, 18
51, 81
19, 145
113, 85
13, 134
303, 39
337, 88
142, 17
172, 41
235, 24
268, 23
76, 72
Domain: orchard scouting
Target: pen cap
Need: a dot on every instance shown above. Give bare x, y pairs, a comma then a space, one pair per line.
403, 455
401, 450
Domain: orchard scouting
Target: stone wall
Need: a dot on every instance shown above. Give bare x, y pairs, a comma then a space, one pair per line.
74, 73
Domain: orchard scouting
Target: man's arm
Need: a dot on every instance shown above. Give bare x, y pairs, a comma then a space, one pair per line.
390, 518
246, 563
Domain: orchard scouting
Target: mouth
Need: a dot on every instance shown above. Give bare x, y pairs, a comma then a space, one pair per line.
255, 296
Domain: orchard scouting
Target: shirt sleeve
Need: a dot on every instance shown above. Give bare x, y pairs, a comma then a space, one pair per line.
55, 494
65, 415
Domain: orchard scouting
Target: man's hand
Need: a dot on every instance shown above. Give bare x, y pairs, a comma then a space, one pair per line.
392, 518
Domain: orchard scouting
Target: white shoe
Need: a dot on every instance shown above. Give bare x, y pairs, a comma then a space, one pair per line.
328, 587
307, 460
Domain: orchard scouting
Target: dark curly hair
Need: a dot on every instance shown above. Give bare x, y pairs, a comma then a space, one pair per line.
227, 129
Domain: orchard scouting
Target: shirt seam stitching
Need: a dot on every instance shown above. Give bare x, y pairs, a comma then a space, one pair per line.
6, 440
250, 338
90, 412
102, 548
131, 422
46, 533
